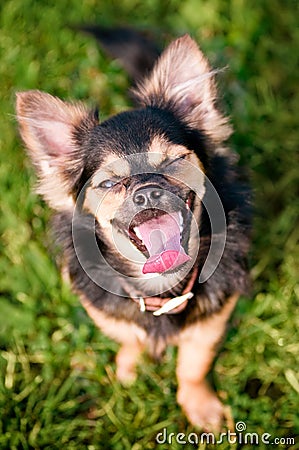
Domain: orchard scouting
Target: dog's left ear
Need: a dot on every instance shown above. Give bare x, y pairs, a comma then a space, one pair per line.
183, 82
52, 130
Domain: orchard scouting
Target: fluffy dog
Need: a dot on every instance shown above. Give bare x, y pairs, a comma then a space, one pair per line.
152, 216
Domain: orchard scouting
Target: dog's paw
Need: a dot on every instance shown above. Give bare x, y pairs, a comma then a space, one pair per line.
126, 360
201, 406
126, 375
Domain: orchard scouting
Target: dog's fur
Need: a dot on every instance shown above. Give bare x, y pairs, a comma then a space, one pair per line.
99, 167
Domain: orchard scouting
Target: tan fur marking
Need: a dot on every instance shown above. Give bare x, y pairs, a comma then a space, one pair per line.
190, 173
130, 336
104, 208
104, 204
126, 360
197, 347
160, 150
116, 166
119, 330
155, 158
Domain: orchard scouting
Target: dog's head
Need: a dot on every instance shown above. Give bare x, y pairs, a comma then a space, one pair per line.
141, 172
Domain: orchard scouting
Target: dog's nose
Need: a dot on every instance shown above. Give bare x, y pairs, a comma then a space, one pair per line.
148, 196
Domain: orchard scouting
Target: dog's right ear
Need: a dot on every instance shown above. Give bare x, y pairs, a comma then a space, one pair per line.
51, 130
182, 81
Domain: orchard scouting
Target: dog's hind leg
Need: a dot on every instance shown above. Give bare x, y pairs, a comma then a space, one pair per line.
197, 348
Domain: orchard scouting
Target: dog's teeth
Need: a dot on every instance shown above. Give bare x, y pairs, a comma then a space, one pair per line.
137, 232
181, 218
181, 222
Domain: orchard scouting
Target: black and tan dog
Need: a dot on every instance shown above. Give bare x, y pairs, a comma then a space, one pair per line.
151, 215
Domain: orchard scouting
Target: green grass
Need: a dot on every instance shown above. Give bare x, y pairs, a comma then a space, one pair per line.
57, 383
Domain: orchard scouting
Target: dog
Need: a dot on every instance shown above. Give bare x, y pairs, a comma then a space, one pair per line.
152, 215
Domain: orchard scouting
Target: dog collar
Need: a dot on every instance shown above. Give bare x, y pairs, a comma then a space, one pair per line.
168, 305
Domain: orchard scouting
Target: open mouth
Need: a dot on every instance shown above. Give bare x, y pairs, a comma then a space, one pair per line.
162, 237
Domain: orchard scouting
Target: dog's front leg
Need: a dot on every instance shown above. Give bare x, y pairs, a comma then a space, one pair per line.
197, 348
128, 335
126, 361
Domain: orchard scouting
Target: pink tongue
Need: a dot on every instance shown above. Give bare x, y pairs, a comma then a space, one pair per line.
161, 236
165, 261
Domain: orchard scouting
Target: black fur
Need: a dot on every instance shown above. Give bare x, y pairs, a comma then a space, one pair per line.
135, 51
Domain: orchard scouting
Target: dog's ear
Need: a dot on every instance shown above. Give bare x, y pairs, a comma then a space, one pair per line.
51, 130
183, 81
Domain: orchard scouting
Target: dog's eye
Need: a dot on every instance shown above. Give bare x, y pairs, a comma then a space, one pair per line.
107, 184
173, 161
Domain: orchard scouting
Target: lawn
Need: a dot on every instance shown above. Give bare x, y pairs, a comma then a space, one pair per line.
57, 372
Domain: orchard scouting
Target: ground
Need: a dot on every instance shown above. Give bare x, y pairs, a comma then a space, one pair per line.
57, 372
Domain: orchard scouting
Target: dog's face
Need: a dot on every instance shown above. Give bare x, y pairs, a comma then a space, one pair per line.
145, 190
140, 173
